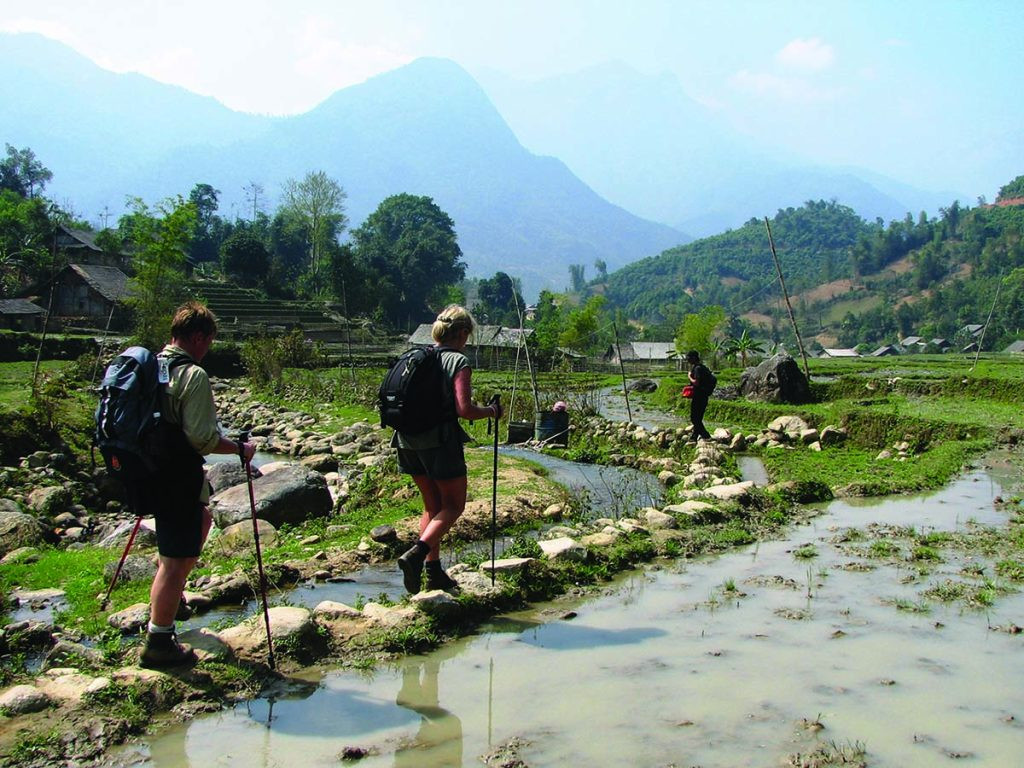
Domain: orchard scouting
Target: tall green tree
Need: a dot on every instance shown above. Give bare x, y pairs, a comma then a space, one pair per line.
577, 277
744, 345
501, 301
697, 331
584, 325
21, 172
318, 201
245, 258
210, 229
159, 239
409, 247
25, 238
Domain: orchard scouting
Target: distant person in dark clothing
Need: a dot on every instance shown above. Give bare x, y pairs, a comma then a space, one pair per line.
701, 379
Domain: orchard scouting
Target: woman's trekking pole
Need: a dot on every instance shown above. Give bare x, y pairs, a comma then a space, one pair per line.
259, 554
124, 556
494, 487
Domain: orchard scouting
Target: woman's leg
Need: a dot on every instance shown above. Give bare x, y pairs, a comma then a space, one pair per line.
431, 500
452, 503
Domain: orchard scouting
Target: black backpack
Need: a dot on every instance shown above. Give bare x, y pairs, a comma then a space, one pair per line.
416, 394
128, 416
712, 382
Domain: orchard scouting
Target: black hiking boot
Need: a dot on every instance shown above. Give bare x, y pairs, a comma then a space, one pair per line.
184, 611
162, 649
411, 565
438, 579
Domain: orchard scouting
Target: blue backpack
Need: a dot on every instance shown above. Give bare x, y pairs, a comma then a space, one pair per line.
129, 413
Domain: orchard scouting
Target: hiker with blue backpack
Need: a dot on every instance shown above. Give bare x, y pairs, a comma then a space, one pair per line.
423, 397
155, 422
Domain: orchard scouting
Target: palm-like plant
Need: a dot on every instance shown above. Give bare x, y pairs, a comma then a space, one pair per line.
744, 345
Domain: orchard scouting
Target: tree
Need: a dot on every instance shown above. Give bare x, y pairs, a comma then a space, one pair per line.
582, 326
160, 241
409, 249
602, 269
577, 277
744, 345
22, 173
244, 257
25, 231
697, 330
208, 233
500, 300
319, 202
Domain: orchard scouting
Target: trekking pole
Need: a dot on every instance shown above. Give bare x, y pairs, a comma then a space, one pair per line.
494, 485
124, 556
259, 554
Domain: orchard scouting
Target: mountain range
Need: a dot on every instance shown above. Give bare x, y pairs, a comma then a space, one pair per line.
425, 129
643, 167
641, 142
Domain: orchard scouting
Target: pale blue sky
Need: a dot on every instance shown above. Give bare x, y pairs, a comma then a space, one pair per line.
925, 92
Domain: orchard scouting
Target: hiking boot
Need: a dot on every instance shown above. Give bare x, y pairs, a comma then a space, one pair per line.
411, 565
184, 611
438, 579
162, 649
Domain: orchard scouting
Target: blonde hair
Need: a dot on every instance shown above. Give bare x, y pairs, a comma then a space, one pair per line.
452, 320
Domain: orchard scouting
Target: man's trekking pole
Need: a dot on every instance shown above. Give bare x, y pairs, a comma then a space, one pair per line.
124, 556
259, 554
494, 485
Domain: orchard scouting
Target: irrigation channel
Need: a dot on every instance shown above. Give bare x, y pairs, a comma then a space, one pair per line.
744, 659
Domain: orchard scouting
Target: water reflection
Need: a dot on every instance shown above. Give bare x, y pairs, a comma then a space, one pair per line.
438, 741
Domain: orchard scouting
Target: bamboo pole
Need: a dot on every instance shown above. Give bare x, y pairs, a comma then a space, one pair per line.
785, 294
988, 321
622, 370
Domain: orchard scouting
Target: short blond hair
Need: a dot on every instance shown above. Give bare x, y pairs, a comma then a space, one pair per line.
452, 320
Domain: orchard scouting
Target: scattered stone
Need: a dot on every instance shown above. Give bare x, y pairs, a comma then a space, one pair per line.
506, 565
131, 620
656, 520
18, 529
238, 538
563, 548
291, 628
135, 568
384, 534
437, 603
23, 699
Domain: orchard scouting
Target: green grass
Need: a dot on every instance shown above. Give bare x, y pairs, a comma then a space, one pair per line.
80, 574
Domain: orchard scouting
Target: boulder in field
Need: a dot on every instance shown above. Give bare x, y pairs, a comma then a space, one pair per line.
775, 380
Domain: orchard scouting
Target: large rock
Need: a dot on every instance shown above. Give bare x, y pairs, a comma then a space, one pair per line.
227, 474
293, 630
22, 699
776, 380
49, 500
288, 496
18, 529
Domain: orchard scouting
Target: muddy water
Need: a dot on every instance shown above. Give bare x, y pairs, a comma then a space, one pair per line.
667, 667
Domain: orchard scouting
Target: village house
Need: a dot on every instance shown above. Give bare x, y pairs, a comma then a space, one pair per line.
491, 346
86, 293
643, 353
826, 352
21, 315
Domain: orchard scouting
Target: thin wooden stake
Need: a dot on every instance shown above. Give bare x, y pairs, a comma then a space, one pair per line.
785, 294
622, 370
988, 322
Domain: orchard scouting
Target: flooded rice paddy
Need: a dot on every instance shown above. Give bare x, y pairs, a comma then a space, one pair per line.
746, 659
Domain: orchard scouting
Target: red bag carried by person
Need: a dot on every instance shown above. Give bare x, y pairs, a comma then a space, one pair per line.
688, 390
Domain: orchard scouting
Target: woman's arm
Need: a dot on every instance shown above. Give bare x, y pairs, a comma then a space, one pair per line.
464, 405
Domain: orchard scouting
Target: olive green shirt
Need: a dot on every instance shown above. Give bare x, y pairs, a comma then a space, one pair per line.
190, 403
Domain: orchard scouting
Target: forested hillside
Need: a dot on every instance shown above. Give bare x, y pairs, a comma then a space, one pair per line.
734, 268
851, 282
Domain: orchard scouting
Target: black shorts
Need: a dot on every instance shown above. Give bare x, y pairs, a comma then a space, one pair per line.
173, 501
445, 462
